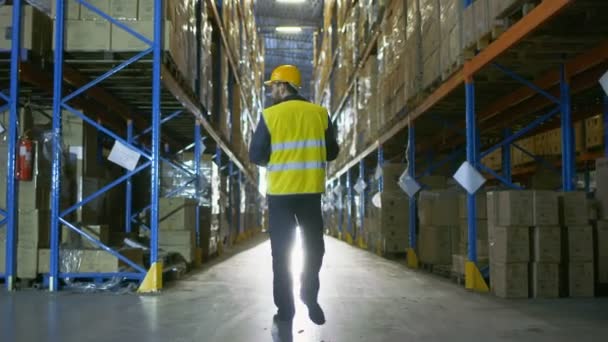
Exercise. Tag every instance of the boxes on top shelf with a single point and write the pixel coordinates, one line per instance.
(36, 29)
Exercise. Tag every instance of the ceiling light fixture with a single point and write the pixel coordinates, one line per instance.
(289, 29)
(291, 1)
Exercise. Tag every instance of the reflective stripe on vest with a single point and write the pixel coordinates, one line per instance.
(296, 166)
(293, 145)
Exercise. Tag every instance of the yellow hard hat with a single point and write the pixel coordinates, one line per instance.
(286, 73)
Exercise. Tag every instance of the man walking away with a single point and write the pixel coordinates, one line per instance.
(294, 140)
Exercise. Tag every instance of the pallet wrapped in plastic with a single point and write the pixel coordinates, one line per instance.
(431, 41)
(451, 17)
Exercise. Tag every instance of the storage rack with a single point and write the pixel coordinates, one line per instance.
(77, 74)
(561, 65)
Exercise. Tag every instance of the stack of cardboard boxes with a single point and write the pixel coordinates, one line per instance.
(577, 252)
(460, 242)
(388, 223)
(33, 216)
(601, 195)
(439, 232)
(177, 227)
(509, 222)
(545, 270)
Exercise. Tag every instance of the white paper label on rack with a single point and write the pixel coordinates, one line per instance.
(377, 200)
(360, 186)
(124, 156)
(469, 178)
(338, 190)
(2, 128)
(604, 82)
(409, 184)
(77, 150)
(378, 173)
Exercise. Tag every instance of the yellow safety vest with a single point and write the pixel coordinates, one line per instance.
(297, 161)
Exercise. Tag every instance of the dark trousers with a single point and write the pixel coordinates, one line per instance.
(285, 214)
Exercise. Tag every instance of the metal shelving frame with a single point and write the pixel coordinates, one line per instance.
(554, 87)
(8, 216)
(66, 99)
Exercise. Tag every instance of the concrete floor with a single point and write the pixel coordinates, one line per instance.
(366, 298)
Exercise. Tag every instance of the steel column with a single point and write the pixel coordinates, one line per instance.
(349, 194)
(361, 199)
(411, 170)
(56, 168)
(381, 164)
(197, 182)
(11, 199)
(506, 158)
(587, 178)
(472, 155)
(340, 208)
(156, 117)
(129, 185)
(568, 148)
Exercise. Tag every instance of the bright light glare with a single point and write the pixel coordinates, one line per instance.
(297, 258)
(289, 29)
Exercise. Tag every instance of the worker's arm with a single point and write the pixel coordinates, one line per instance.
(330, 142)
(259, 150)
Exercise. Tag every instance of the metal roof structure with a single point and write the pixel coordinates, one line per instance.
(284, 48)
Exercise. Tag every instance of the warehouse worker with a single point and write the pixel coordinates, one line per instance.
(294, 140)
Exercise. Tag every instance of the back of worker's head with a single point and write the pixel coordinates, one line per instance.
(284, 81)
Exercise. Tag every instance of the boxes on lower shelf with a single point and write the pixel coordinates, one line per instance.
(510, 208)
(547, 245)
(580, 279)
(89, 260)
(573, 208)
(580, 243)
(545, 280)
(509, 280)
(509, 244)
(435, 245)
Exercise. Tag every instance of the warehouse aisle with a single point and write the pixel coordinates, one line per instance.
(365, 297)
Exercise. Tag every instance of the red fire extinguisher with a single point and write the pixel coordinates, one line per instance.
(24, 159)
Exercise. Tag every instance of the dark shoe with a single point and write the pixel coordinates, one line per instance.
(316, 314)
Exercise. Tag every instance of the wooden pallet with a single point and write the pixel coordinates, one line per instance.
(440, 270)
(458, 278)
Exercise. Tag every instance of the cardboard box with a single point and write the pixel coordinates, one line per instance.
(35, 31)
(482, 230)
(438, 208)
(26, 262)
(602, 269)
(124, 10)
(580, 243)
(100, 232)
(176, 238)
(102, 5)
(602, 238)
(545, 280)
(509, 244)
(86, 35)
(481, 206)
(124, 41)
(510, 208)
(72, 9)
(509, 280)
(580, 279)
(435, 245)
(34, 227)
(458, 263)
(547, 244)
(601, 182)
(573, 208)
(545, 208)
(89, 260)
